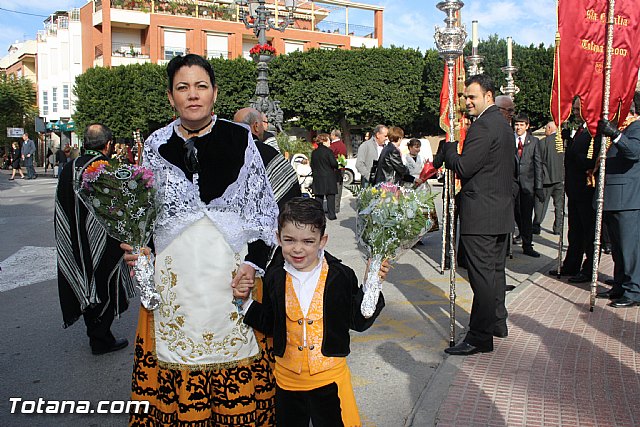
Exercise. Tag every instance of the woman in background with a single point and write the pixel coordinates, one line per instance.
(324, 167)
(15, 160)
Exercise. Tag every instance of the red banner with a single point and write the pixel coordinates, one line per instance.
(458, 91)
(580, 58)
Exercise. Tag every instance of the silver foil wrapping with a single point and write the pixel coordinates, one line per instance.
(144, 273)
(372, 287)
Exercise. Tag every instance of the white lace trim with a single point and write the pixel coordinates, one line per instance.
(246, 212)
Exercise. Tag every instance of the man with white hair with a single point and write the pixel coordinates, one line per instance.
(552, 180)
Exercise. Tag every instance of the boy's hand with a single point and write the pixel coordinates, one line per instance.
(384, 269)
(382, 273)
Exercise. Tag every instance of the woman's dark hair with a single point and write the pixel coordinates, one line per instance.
(414, 142)
(189, 60)
(302, 211)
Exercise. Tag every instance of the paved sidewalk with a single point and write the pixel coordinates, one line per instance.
(560, 366)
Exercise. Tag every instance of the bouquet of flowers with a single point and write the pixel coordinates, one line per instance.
(121, 197)
(262, 49)
(390, 220)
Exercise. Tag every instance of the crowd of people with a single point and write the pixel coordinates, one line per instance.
(253, 324)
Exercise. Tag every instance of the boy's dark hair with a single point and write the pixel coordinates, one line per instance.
(521, 118)
(189, 60)
(484, 81)
(303, 211)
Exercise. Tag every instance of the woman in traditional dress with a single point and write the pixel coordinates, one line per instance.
(195, 361)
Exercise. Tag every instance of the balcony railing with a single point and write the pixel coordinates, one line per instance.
(218, 54)
(341, 28)
(172, 51)
(225, 10)
(129, 50)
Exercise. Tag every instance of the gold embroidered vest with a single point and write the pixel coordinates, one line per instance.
(296, 354)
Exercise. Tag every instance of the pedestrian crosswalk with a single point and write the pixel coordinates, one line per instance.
(27, 266)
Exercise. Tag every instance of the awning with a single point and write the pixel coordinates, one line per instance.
(70, 126)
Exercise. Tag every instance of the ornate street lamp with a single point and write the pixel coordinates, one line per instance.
(450, 41)
(255, 15)
(511, 89)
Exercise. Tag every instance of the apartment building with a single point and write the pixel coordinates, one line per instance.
(117, 32)
(59, 61)
(20, 60)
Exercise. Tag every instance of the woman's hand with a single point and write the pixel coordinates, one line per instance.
(130, 257)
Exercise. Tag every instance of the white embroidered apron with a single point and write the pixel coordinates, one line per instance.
(197, 325)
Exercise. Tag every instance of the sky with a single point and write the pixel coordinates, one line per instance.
(408, 23)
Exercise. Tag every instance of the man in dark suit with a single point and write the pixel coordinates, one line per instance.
(622, 207)
(580, 213)
(529, 173)
(552, 165)
(93, 278)
(486, 169)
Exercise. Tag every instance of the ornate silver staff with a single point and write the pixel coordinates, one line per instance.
(450, 41)
(603, 154)
(511, 89)
(474, 60)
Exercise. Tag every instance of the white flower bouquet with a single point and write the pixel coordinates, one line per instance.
(121, 197)
(390, 220)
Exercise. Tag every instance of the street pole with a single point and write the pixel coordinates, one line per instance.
(255, 15)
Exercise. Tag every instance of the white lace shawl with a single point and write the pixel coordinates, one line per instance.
(246, 212)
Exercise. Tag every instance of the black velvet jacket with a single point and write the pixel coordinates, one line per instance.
(341, 307)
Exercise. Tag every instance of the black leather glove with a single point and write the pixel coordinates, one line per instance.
(449, 146)
(539, 194)
(607, 128)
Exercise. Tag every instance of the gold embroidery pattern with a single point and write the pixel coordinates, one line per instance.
(315, 330)
(170, 331)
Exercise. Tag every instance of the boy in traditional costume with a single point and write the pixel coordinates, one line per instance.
(310, 302)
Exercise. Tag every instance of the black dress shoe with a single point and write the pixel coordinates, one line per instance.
(579, 278)
(466, 349)
(610, 282)
(623, 302)
(535, 231)
(509, 288)
(500, 333)
(118, 344)
(554, 272)
(608, 294)
(517, 239)
(531, 252)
